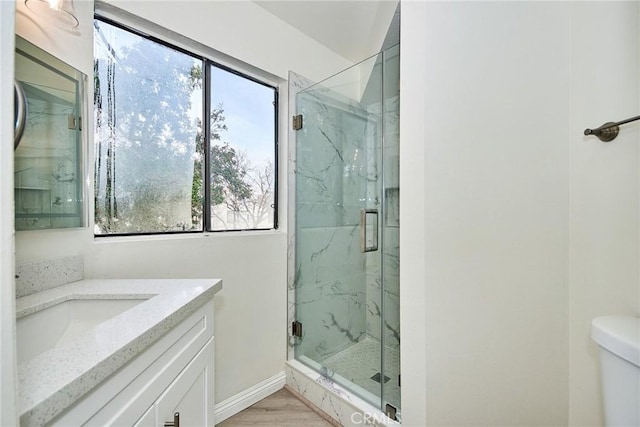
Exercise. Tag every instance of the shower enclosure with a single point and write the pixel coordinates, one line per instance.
(346, 279)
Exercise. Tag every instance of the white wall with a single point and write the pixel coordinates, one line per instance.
(497, 224)
(243, 30)
(8, 414)
(529, 228)
(251, 309)
(604, 188)
(413, 212)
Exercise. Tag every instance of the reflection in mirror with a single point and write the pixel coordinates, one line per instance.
(48, 174)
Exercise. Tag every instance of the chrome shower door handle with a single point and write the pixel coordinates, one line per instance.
(20, 112)
(364, 246)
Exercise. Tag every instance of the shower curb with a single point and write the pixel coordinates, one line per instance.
(336, 402)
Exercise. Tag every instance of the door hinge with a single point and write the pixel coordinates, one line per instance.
(399, 385)
(297, 122)
(296, 329)
(391, 411)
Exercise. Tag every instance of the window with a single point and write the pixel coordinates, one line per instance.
(159, 166)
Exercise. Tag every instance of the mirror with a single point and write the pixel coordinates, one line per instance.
(48, 157)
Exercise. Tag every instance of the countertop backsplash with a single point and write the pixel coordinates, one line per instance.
(42, 275)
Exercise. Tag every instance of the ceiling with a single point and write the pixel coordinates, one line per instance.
(354, 29)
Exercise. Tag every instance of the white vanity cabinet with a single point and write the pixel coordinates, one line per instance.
(175, 374)
(186, 398)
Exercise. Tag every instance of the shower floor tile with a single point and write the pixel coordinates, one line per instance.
(360, 364)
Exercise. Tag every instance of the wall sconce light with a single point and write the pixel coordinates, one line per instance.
(60, 12)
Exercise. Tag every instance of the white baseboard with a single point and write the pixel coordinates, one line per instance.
(248, 397)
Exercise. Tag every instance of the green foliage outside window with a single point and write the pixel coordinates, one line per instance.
(149, 164)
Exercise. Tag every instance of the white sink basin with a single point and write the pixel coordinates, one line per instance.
(61, 323)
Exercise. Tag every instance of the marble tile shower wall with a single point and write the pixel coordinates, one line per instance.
(391, 294)
(391, 223)
(374, 201)
(339, 303)
(385, 317)
(333, 297)
(385, 320)
(331, 165)
(332, 174)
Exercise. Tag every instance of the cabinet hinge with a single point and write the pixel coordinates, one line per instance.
(296, 329)
(297, 122)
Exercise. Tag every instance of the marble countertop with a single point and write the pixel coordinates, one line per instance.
(52, 381)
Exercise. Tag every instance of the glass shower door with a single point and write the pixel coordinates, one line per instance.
(389, 68)
(338, 223)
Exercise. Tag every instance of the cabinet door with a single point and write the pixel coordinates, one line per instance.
(148, 419)
(191, 394)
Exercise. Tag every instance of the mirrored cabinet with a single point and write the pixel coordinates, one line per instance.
(48, 157)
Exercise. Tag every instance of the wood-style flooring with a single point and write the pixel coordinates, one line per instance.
(277, 410)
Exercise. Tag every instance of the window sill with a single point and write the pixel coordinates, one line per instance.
(187, 236)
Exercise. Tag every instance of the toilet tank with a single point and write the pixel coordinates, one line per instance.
(619, 341)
